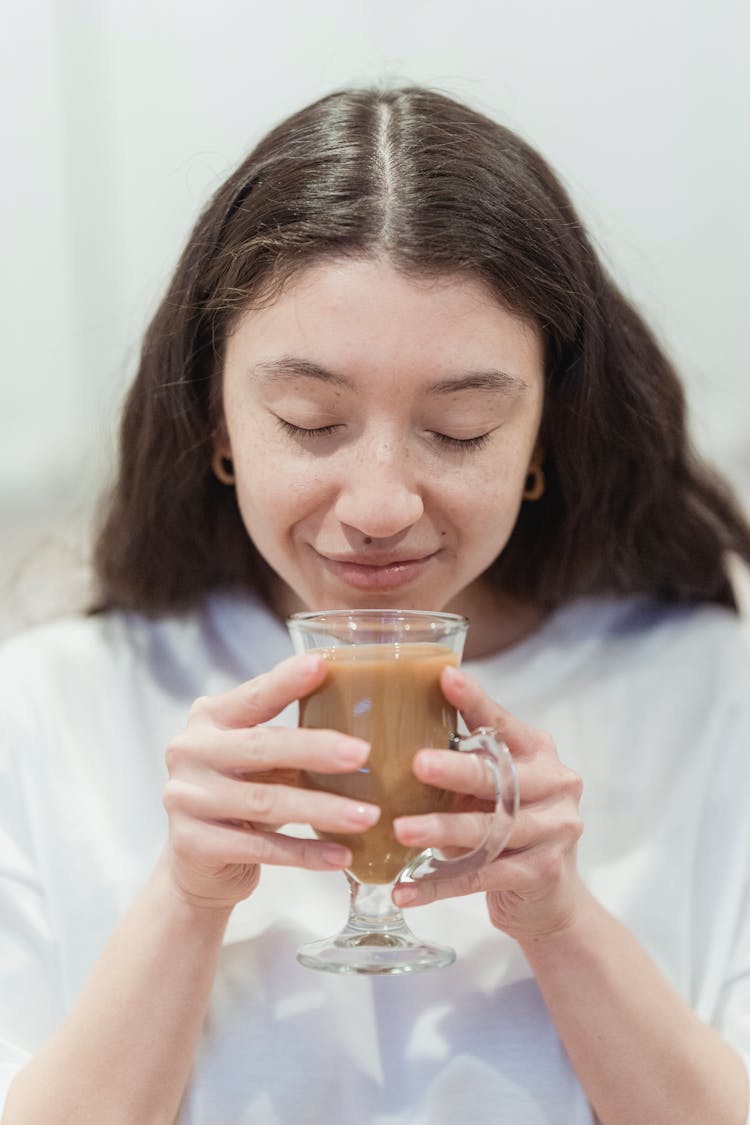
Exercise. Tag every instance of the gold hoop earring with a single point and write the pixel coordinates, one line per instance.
(535, 482)
(223, 468)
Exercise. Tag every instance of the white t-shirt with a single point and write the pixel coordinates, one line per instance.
(651, 705)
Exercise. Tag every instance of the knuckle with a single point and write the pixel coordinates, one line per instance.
(473, 881)
(569, 831)
(262, 848)
(259, 801)
(572, 783)
(576, 830)
(172, 797)
(550, 867)
(175, 753)
(545, 743)
(172, 756)
(184, 843)
(309, 855)
(200, 707)
(256, 748)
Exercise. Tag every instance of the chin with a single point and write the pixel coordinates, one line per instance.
(392, 599)
(328, 598)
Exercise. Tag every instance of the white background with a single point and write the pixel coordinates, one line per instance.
(120, 117)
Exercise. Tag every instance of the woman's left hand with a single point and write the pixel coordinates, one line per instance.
(533, 887)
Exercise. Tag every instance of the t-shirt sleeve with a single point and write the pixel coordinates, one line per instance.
(30, 985)
(730, 790)
(734, 1009)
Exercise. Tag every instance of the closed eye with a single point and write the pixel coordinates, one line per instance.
(461, 443)
(303, 432)
(306, 433)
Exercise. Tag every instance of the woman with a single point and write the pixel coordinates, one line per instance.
(389, 370)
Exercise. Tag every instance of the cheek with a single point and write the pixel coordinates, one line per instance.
(483, 511)
(488, 499)
(273, 495)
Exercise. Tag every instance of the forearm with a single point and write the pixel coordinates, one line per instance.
(639, 1051)
(123, 1056)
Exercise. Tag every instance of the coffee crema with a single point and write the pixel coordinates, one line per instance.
(389, 695)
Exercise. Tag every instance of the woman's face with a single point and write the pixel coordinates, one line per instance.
(381, 429)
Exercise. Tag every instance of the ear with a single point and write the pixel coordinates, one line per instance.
(537, 457)
(221, 444)
(535, 482)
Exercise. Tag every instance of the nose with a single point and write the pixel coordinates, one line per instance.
(379, 496)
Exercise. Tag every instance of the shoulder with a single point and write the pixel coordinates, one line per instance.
(635, 671)
(697, 640)
(644, 617)
(666, 683)
(222, 641)
(73, 645)
(621, 639)
(58, 646)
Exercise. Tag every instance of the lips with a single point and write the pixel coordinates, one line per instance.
(368, 572)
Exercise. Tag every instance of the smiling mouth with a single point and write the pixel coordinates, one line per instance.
(385, 574)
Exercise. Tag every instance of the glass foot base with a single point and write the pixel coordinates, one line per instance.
(353, 951)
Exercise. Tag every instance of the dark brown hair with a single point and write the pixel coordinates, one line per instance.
(438, 188)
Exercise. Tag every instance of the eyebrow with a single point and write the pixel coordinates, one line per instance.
(481, 381)
(490, 380)
(293, 366)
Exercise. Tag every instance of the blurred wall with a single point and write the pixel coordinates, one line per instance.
(119, 119)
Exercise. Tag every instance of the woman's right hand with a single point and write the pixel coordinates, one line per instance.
(233, 781)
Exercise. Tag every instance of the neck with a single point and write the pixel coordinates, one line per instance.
(498, 621)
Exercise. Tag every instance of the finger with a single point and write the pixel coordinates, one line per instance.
(541, 823)
(262, 749)
(262, 698)
(219, 844)
(268, 805)
(480, 710)
(507, 872)
(468, 829)
(470, 775)
(450, 769)
(443, 830)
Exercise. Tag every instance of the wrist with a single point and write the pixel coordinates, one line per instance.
(570, 931)
(202, 915)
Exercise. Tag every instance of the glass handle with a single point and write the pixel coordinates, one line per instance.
(485, 744)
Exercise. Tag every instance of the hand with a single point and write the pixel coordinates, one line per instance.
(533, 887)
(232, 781)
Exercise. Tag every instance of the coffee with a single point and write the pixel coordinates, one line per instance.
(388, 694)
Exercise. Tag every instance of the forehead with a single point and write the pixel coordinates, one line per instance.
(355, 315)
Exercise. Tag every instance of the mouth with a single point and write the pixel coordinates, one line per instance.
(376, 574)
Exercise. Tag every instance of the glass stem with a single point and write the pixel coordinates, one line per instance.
(371, 908)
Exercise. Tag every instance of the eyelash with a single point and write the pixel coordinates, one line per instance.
(301, 432)
(461, 443)
(456, 444)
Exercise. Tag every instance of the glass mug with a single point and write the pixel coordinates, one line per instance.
(382, 684)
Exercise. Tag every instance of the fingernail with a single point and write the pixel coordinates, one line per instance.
(405, 896)
(427, 763)
(352, 751)
(407, 832)
(454, 675)
(363, 816)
